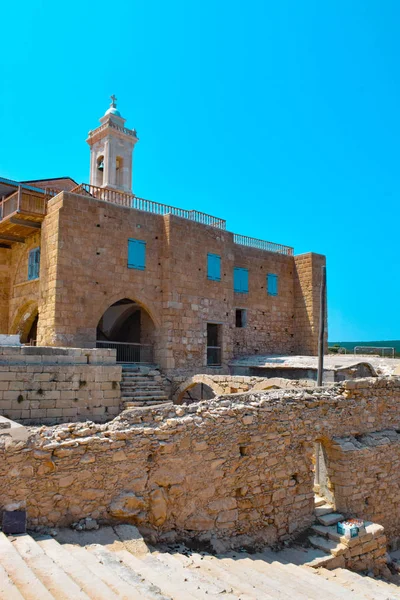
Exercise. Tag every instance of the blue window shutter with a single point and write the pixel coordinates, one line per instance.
(240, 280)
(136, 254)
(272, 284)
(245, 281)
(214, 267)
(34, 263)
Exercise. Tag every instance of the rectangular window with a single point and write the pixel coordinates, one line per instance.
(34, 264)
(240, 280)
(241, 317)
(272, 284)
(136, 254)
(214, 335)
(213, 267)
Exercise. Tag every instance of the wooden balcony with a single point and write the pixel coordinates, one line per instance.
(21, 214)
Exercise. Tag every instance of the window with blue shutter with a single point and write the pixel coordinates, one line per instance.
(240, 280)
(136, 254)
(34, 264)
(272, 284)
(214, 267)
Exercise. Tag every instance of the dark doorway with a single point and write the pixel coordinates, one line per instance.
(213, 344)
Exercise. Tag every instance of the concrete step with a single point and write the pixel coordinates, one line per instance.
(323, 509)
(327, 545)
(179, 565)
(8, 590)
(309, 576)
(53, 577)
(21, 575)
(271, 580)
(210, 566)
(367, 587)
(330, 518)
(110, 560)
(294, 579)
(108, 576)
(94, 587)
(175, 580)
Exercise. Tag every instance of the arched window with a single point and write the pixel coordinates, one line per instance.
(118, 171)
(100, 170)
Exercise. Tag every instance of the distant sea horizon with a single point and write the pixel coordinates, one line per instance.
(375, 343)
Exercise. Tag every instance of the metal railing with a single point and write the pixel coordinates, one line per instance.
(375, 350)
(130, 352)
(250, 242)
(22, 201)
(132, 201)
(213, 356)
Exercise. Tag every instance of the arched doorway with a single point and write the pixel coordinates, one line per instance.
(200, 391)
(25, 323)
(127, 327)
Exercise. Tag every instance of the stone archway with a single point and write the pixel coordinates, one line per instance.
(127, 327)
(272, 383)
(192, 382)
(25, 322)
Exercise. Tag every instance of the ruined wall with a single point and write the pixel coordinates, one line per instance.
(365, 476)
(53, 385)
(237, 468)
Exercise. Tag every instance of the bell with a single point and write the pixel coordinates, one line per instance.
(101, 166)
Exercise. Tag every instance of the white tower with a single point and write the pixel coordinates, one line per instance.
(111, 151)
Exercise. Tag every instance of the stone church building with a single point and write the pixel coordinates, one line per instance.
(86, 265)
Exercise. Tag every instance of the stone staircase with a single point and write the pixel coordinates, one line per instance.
(114, 563)
(141, 386)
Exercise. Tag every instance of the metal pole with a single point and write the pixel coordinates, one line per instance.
(322, 309)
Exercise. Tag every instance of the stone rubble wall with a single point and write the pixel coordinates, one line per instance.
(365, 475)
(54, 385)
(239, 468)
(231, 384)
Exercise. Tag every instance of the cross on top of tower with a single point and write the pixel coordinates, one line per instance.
(113, 101)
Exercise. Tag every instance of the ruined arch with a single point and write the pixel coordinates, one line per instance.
(272, 383)
(191, 382)
(24, 321)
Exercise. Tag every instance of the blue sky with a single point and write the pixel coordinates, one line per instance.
(282, 117)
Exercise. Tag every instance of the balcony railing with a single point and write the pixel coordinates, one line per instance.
(130, 352)
(250, 242)
(131, 201)
(23, 201)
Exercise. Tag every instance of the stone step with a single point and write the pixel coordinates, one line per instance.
(311, 557)
(176, 582)
(110, 559)
(108, 576)
(323, 509)
(300, 581)
(327, 545)
(8, 590)
(148, 396)
(210, 566)
(309, 576)
(21, 575)
(366, 587)
(319, 501)
(94, 587)
(53, 577)
(271, 580)
(330, 518)
(327, 531)
(145, 398)
(144, 403)
(179, 565)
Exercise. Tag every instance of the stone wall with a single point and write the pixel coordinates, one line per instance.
(53, 385)
(84, 270)
(238, 468)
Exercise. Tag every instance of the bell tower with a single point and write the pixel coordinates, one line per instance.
(111, 151)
